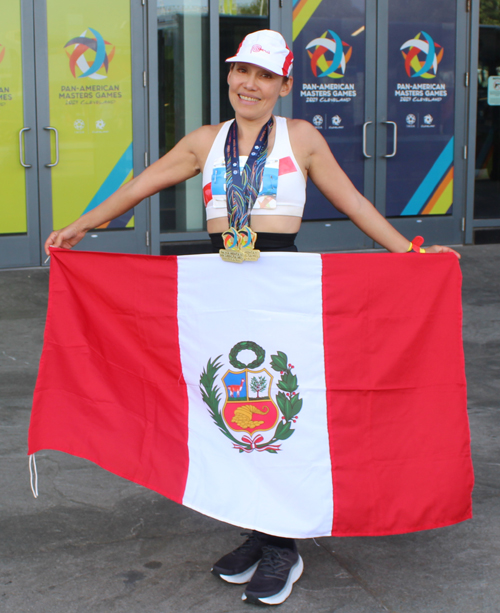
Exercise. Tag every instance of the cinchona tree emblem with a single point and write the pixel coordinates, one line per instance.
(250, 417)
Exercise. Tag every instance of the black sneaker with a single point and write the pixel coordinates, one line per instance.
(276, 573)
(239, 565)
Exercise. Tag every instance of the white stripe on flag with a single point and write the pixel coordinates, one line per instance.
(276, 303)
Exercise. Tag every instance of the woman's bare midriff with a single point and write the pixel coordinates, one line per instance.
(280, 224)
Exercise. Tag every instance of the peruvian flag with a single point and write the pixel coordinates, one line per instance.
(300, 395)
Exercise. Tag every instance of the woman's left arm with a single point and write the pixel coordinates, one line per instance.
(331, 180)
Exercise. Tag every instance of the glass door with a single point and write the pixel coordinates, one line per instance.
(379, 80)
(183, 52)
(86, 137)
(421, 118)
(334, 89)
(485, 222)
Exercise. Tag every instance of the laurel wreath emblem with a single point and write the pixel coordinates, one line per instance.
(287, 399)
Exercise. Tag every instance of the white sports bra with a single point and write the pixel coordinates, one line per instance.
(283, 189)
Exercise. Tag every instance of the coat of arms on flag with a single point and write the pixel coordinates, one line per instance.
(250, 417)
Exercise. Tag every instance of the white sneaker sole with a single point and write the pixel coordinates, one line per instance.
(295, 574)
(243, 577)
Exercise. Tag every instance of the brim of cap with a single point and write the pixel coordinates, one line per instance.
(247, 59)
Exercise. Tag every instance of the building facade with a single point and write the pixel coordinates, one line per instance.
(407, 97)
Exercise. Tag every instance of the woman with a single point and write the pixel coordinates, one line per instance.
(254, 173)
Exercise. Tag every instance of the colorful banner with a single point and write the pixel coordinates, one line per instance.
(13, 218)
(303, 10)
(421, 98)
(328, 91)
(329, 72)
(90, 89)
(336, 406)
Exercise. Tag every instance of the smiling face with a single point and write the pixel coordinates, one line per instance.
(253, 91)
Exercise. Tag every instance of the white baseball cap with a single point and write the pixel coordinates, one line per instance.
(265, 48)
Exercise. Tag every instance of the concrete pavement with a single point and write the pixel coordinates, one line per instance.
(93, 542)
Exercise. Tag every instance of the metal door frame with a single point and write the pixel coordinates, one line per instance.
(473, 40)
(19, 250)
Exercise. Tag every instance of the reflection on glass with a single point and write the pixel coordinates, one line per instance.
(184, 100)
(237, 19)
(487, 185)
(243, 7)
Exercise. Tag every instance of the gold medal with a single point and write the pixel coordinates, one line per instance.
(239, 246)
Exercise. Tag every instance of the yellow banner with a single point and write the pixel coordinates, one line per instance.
(303, 10)
(12, 174)
(90, 92)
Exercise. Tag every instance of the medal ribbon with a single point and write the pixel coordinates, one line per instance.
(242, 187)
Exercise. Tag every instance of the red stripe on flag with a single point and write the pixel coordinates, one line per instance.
(110, 371)
(397, 413)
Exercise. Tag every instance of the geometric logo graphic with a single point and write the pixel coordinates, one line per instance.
(318, 120)
(256, 414)
(423, 56)
(90, 56)
(100, 124)
(2, 52)
(79, 124)
(330, 55)
(336, 120)
(434, 195)
(428, 119)
(411, 119)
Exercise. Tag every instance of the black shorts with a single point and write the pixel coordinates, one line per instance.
(266, 241)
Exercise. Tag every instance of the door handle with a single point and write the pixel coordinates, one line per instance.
(394, 140)
(21, 148)
(365, 125)
(57, 146)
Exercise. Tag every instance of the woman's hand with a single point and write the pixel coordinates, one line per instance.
(441, 249)
(67, 237)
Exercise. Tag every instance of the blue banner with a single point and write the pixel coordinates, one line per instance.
(421, 99)
(328, 91)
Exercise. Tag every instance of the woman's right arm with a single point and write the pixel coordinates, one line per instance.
(181, 163)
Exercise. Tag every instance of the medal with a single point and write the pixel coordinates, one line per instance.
(242, 189)
(239, 246)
